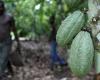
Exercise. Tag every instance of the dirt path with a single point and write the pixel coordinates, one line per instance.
(37, 65)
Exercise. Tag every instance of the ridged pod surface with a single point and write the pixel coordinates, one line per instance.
(81, 54)
(70, 27)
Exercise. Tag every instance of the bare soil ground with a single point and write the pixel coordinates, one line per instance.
(36, 57)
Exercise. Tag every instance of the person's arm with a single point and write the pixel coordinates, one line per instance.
(14, 30)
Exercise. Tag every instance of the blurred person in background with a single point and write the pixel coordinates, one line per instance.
(7, 25)
(55, 58)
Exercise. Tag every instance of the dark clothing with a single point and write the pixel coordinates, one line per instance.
(55, 58)
(6, 22)
(53, 34)
(54, 54)
(5, 26)
(5, 48)
(53, 28)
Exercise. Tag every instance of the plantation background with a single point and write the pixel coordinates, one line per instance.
(33, 21)
(33, 16)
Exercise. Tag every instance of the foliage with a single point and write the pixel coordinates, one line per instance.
(32, 16)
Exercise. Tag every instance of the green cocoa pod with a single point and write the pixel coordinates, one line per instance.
(81, 54)
(97, 62)
(70, 27)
